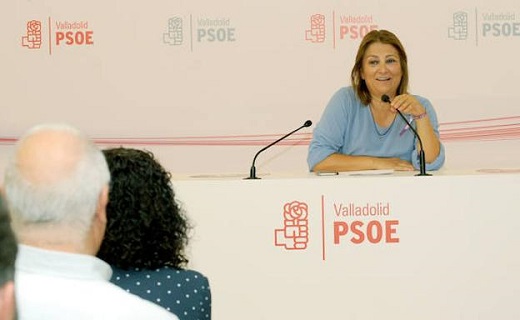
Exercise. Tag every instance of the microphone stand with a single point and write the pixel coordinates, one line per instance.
(252, 171)
(422, 159)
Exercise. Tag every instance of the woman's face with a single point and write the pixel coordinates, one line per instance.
(381, 70)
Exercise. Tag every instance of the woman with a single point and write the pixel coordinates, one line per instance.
(146, 236)
(359, 131)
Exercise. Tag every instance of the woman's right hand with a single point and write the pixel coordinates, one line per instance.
(395, 164)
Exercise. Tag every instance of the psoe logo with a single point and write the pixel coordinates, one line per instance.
(174, 36)
(355, 27)
(215, 30)
(341, 28)
(33, 35)
(295, 232)
(75, 33)
(459, 28)
(61, 34)
(316, 33)
(368, 224)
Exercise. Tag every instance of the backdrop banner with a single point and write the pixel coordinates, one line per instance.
(205, 85)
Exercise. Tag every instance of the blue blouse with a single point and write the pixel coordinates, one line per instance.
(347, 127)
(186, 293)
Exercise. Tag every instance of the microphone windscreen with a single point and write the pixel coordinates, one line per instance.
(307, 123)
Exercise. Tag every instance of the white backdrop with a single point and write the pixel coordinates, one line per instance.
(230, 77)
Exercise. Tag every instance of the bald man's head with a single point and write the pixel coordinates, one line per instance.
(55, 178)
(49, 156)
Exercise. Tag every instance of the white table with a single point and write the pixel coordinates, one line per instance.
(443, 247)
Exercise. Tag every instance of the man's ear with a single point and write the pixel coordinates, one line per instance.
(101, 212)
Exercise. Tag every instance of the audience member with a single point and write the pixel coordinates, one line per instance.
(56, 185)
(8, 249)
(147, 234)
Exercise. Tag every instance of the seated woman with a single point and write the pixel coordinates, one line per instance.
(146, 236)
(360, 130)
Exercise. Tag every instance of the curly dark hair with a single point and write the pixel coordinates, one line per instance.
(8, 245)
(146, 227)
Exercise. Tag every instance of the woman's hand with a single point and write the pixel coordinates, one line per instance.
(395, 164)
(343, 162)
(408, 104)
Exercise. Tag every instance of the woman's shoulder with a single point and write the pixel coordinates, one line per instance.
(345, 92)
(421, 98)
(344, 96)
(187, 273)
(162, 271)
(425, 102)
(344, 101)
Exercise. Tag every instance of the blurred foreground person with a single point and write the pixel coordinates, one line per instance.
(8, 249)
(146, 236)
(56, 185)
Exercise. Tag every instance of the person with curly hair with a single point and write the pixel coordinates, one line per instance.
(146, 235)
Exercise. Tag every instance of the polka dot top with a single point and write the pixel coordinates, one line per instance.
(186, 293)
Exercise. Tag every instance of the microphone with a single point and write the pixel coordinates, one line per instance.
(252, 172)
(422, 160)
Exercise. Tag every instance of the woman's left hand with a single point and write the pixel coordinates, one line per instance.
(407, 104)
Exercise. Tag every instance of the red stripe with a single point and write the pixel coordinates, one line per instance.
(503, 130)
